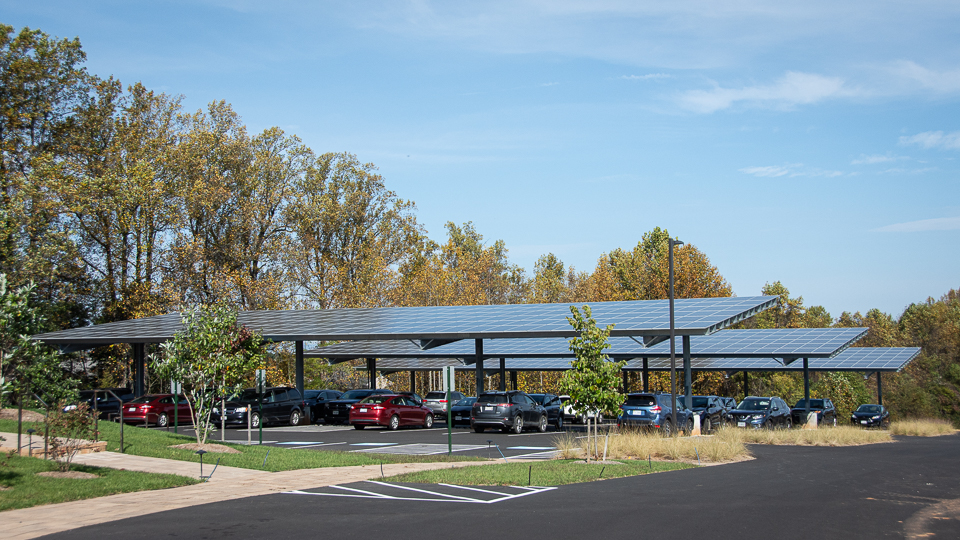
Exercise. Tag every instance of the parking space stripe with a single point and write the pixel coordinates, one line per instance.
(425, 491)
(437, 495)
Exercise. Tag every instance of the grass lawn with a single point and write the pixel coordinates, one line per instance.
(25, 489)
(154, 443)
(546, 473)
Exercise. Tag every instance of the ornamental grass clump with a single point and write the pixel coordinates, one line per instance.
(824, 436)
(635, 444)
(922, 427)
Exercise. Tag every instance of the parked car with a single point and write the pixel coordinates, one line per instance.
(729, 404)
(106, 405)
(510, 411)
(317, 400)
(412, 395)
(654, 411)
(281, 404)
(338, 410)
(554, 407)
(437, 401)
(573, 415)
(826, 412)
(712, 412)
(762, 412)
(460, 412)
(156, 409)
(871, 416)
(392, 411)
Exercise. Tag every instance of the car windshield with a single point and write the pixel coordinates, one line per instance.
(466, 402)
(143, 399)
(376, 399)
(356, 394)
(493, 398)
(310, 394)
(250, 394)
(639, 401)
(869, 408)
(814, 404)
(539, 398)
(700, 402)
(754, 405)
(436, 395)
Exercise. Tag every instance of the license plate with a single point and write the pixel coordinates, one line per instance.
(363, 410)
(489, 408)
(132, 409)
(741, 424)
(863, 421)
(336, 412)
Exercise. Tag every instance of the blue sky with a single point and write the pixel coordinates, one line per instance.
(815, 144)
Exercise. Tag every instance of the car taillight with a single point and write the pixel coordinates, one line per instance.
(145, 407)
(378, 408)
(655, 409)
(443, 401)
(502, 404)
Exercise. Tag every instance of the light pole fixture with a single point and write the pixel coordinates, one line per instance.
(673, 346)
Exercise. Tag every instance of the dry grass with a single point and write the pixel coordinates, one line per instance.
(922, 427)
(631, 444)
(825, 436)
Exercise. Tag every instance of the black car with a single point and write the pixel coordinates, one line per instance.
(338, 410)
(436, 401)
(317, 400)
(826, 412)
(281, 404)
(460, 412)
(654, 411)
(553, 406)
(106, 405)
(871, 416)
(762, 412)
(510, 411)
(712, 412)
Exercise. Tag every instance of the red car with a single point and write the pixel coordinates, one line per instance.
(156, 409)
(391, 411)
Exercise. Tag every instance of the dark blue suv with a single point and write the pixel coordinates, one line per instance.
(654, 411)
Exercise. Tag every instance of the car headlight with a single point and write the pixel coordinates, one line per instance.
(875, 417)
(69, 408)
(757, 417)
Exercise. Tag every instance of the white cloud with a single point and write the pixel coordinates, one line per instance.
(791, 170)
(939, 81)
(766, 172)
(934, 139)
(937, 224)
(647, 77)
(876, 158)
(550, 84)
(794, 88)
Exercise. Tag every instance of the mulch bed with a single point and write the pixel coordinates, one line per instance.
(209, 447)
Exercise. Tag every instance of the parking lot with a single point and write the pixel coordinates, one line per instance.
(490, 444)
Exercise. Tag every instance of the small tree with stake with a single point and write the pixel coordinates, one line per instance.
(211, 358)
(592, 383)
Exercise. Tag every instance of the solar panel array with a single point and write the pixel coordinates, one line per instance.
(865, 359)
(639, 318)
(779, 343)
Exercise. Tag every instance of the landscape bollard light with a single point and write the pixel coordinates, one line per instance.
(200, 453)
(489, 442)
(30, 433)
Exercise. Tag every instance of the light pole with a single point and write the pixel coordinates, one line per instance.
(673, 346)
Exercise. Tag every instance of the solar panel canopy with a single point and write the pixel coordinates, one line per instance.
(862, 359)
(693, 316)
(778, 343)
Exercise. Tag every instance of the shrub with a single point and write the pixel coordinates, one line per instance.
(69, 431)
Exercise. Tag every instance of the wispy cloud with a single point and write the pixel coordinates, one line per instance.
(549, 84)
(946, 81)
(937, 224)
(790, 170)
(876, 158)
(793, 89)
(934, 139)
(647, 77)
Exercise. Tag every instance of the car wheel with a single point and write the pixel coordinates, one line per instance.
(358, 426)
(394, 423)
(255, 420)
(560, 423)
(705, 428)
(582, 419)
(163, 420)
(666, 428)
(789, 424)
(295, 417)
(542, 426)
(689, 426)
(518, 424)
(479, 429)
(768, 424)
(428, 421)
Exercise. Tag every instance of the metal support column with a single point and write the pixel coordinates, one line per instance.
(299, 366)
(879, 388)
(513, 380)
(413, 381)
(806, 387)
(646, 375)
(687, 374)
(138, 370)
(478, 367)
(626, 381)
(503, 374)
(746, 384)
(372, 371)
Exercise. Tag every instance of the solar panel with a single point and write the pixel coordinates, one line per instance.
(693, 316)
(778, 343)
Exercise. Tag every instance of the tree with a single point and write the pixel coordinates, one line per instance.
(550, 283)
(210, 357)
(593, 381)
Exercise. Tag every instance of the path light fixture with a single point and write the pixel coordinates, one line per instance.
(673, 346)
(200, 453)
(30, 431)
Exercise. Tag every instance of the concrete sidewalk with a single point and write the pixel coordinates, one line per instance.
(228, 483)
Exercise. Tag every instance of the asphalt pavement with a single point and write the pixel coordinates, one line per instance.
(910, 488)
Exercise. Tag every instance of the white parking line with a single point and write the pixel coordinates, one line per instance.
(505, 495)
